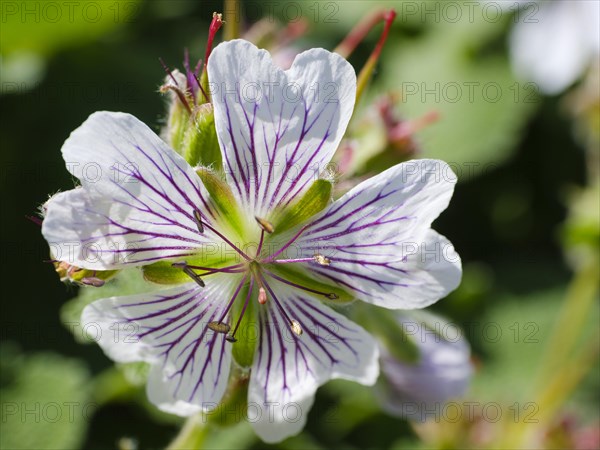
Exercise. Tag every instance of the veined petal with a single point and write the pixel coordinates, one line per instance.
(136, 201)
(190, 362)
(278, 129)
(288, 368)
(378, 240)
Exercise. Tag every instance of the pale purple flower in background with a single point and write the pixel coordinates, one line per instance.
(418, 390)
(555, 42)
(277, 131)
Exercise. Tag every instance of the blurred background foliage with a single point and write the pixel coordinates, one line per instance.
(524, 219)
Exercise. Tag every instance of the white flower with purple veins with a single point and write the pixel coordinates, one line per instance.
(256, 254)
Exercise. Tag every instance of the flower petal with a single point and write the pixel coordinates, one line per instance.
(288, 369)
(136, 201)
(278, 129)
(443, 371)
(378, 239)
(190, 362)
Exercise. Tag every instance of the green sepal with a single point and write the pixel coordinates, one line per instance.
(222, 197)
(247, 334)
(201, 146)
(178, 123)
(312, 202)
(234, 404)
(294, 275)
(382, 323)
(69, 273)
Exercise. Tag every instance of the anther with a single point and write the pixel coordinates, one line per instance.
(230, 338)
(262, 296)
(194, 276)
(296, 328)
(93, 281)
(322, 260)
(219, 327)
(265, 224)
(332, 296)
(198, 219)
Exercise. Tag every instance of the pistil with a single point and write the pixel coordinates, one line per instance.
(294, 325)
(329, 295)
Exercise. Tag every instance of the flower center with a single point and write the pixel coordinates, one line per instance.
(258, 272)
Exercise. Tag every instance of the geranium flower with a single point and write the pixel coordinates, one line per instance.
(261, 246)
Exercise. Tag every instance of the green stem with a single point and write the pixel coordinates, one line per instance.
(232, 13)
(367, 71)
(562, 367)
(571, 319)
(192, 435)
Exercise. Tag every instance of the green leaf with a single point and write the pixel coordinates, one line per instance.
(455, 69)
(41, 27)
(45, 401)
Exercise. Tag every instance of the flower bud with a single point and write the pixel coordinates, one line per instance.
(83, 277)
(442, 371)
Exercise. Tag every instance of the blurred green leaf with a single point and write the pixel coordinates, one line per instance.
(515, 334)
(40, 27)
(45, 401)
(449, 69)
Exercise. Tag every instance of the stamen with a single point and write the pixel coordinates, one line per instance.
(219, 327)
(329, 295)
(198, 219)
(180, 95)
(236, 268)
(284, 248)
(295, 260)
(260, 243)
(35, 220)
(200, 84)
(231, 337)
(296, 328)
(194, 276)
(322, 260)
(168, 71)
(93, 281)
(230, 304)
(262, 296)
(188, 73)
(265, 224)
